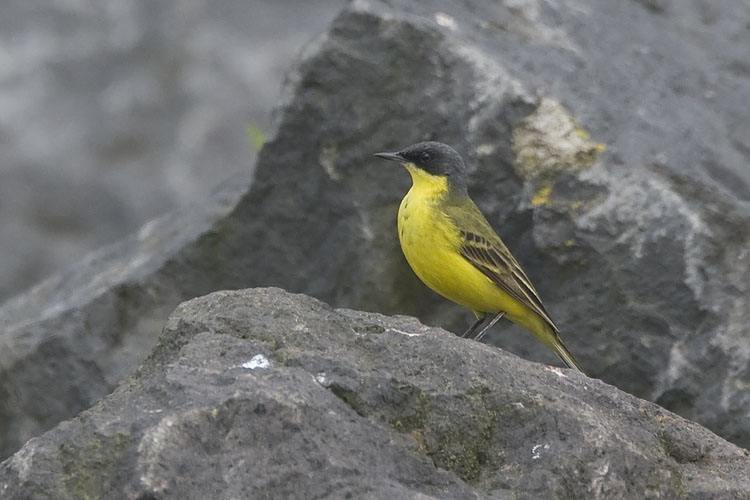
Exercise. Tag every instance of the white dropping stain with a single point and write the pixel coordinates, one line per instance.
(329, 153)
(557, 371)
(536, 451)
(257, 361)
(446, 21)
(150, 448)
(485, 149)
(599, 482)
(365, 227)
(322, 379)
(408, 334)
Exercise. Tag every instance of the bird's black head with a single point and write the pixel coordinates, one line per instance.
(435, 158)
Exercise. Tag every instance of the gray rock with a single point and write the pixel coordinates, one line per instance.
(264, 394)
(112, 114)
(638, 252)
(70, 340)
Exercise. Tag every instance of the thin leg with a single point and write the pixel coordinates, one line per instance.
(482, 333)
(474, 326)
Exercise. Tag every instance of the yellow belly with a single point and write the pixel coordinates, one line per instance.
(430, 241)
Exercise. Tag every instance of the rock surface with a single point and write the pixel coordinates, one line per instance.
(638, 251)
(264, 394)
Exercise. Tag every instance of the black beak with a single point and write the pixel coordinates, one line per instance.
(390, 156)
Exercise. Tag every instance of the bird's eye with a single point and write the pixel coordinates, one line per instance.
(424, 156)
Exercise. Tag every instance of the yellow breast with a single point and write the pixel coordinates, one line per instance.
(431, 241)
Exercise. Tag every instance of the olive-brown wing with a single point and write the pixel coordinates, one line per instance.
(481, 246)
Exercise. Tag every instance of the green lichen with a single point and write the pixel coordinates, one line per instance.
(256, 136)
(417, 416)
(88, 466)
(463, 449)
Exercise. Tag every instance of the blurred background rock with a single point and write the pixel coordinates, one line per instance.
(113, 112)
(641, 257)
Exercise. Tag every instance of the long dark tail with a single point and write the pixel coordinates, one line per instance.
(556, 344)
(567, 358)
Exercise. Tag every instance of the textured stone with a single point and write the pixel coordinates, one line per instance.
(264, 394)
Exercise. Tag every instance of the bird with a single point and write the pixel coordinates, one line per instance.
(453, 250)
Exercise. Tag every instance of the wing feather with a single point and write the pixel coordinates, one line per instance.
(481, 246)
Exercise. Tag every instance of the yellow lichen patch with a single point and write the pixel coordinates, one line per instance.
(577, 204)
(549, 141)
(419, 438)
(541, 197)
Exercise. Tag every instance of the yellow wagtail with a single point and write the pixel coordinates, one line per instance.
(453, 249)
